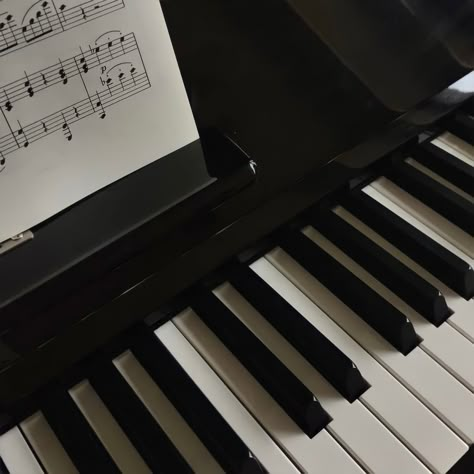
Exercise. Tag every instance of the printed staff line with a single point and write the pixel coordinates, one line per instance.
(48, 77)
(70, 15)
(51, 77)
(33, 138)
(18, 39)
(80, 21)
(20, 32)
(38, 136)
(37, 28)
(54, 122)
(77, 15)
(103, 96)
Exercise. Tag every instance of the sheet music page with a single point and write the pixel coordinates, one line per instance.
(90, 91)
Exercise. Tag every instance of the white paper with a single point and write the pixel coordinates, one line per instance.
(90, 91)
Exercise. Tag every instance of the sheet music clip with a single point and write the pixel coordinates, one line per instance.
(15, 242)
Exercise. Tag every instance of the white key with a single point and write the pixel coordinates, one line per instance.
(429, 438)
(378, 450)
(166, 415)
(47, 446)
(320, 454)
(462, 318)
(240, 420)
(100, 419)
(440, 179)
(455, 146)
(406, 216)
(422, 213)
(439, 390)
(16, 454)
(451, 349)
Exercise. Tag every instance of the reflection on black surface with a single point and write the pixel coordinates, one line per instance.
(310, 79)
(296, 84)
(451, 21)
(398, 49)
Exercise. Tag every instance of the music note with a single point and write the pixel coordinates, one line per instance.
(109, 83)
(61, 14)
(38, 25)
(28, 86)
(22, 134)
(121, 76)
(96, 50)
(62, 73)
(66, 130)
(109, 49)
(42, 16)
(84, 66)
(8, 103)
(43, 20)
(117, 83)
(7, 34)
(99, 105)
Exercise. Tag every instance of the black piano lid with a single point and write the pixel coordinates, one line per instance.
(313, 91)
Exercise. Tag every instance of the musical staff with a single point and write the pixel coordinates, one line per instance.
(45, 19)
(63, 71)
(62, 120)
(7, 35)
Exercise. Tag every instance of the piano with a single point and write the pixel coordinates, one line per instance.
(293, 293)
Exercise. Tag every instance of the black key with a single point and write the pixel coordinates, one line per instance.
(215, 433)
(76, 436)
(299, 403)
(462, 125)
(446, 165)
(465, 465)
(444, 265)
(321, 353)
(140, 427)
(436, 196)
(365, 302)
(404, 282)
(3, 467)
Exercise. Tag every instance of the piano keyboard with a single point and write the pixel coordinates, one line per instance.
(347, 348)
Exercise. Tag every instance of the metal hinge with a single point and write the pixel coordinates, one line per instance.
(15, 242)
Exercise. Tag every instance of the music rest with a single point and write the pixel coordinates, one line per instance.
(94, 236)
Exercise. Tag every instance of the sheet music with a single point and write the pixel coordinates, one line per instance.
(90, 91)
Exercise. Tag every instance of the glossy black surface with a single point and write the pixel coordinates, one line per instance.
(199, 413)
(3, 467)
(465, 465)
(446, 202)
(443, 164)
(76, 436)
(366, 303)
(322, 354)
(403, 281)
(314, 91)
(99, 220)
(442, 263)
(143, 431)
(285, 388)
